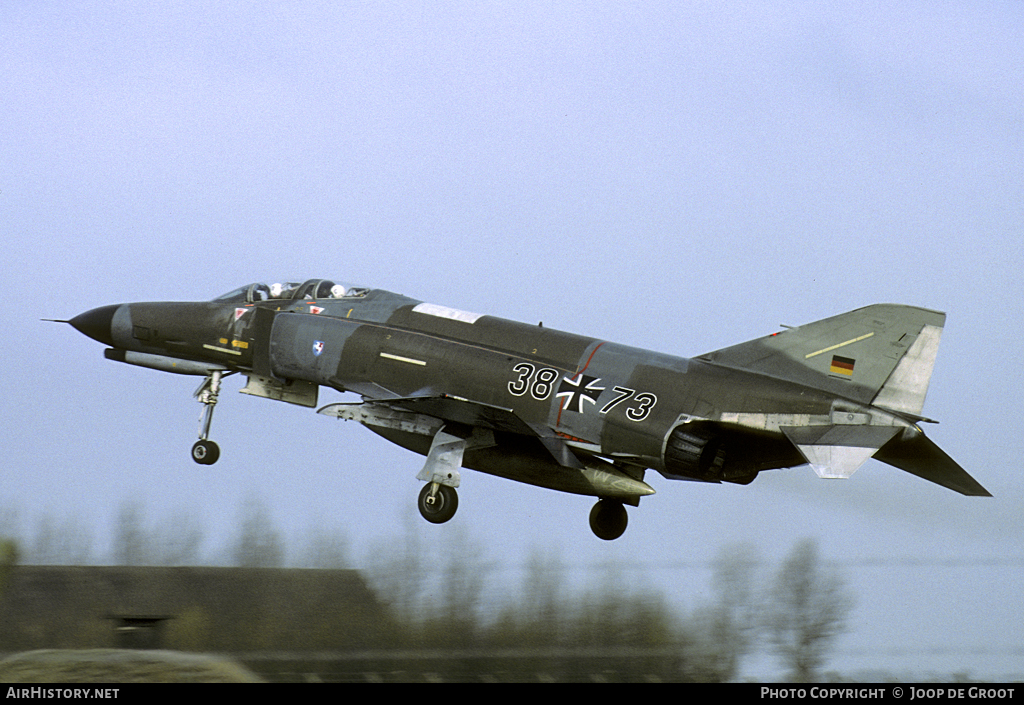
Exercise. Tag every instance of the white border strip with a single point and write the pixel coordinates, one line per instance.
(223, 350)
(836, 347)
(445, 312)
(389, 356)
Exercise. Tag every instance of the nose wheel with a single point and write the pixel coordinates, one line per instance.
(205, 452)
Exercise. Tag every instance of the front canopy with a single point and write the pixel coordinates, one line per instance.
(310, 289)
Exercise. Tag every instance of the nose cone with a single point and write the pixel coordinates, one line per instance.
(96, 323)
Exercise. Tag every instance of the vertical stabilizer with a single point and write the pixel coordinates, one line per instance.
(881, 354)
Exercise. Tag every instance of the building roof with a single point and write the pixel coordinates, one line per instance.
(204, 608)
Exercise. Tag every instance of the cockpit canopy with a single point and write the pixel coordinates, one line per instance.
(309, 289)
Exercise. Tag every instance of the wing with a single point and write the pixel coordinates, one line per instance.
(493, 439)
(426, 415)
(463, 411)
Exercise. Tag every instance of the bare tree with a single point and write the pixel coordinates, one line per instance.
(8, 559)
(176, 541)
(132, 545)
(807, 611)
(454, 609)
(617, 610)
(68, 542)
(733, 579)
(396, 568)
(435, 589)
(326, 547)
(10, 522)
(542, 607)
(465, 573)
(537, 615)
(9, 555)
(259, 544)
(723, 632)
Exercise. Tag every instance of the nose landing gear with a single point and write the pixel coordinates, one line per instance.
(205, 451)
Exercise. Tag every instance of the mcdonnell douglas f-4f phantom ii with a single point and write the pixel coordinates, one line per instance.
(554, 409)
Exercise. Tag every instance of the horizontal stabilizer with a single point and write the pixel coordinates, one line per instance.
(919, 456)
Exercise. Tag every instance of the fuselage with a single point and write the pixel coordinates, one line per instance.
(602, 398)
(555, 409)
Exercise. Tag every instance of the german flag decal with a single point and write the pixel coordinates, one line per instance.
(841, 366)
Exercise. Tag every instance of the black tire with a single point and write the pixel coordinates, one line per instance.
(608, 519)
(441, 507)
(205, 452)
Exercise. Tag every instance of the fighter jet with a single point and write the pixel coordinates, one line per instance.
(549, 408)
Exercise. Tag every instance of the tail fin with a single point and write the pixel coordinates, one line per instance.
(881, 354)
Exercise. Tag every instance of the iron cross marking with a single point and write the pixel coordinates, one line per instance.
(578, 389)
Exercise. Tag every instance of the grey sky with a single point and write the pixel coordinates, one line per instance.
(676, 176)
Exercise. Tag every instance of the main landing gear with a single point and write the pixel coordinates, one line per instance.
(437, 503)
(438, 499)
(205, 451)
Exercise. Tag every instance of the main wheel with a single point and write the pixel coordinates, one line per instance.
(608, 519)
(205, 452)
(441, 507)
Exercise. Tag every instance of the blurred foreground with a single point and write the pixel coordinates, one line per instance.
(334, 624)
(119, 666)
